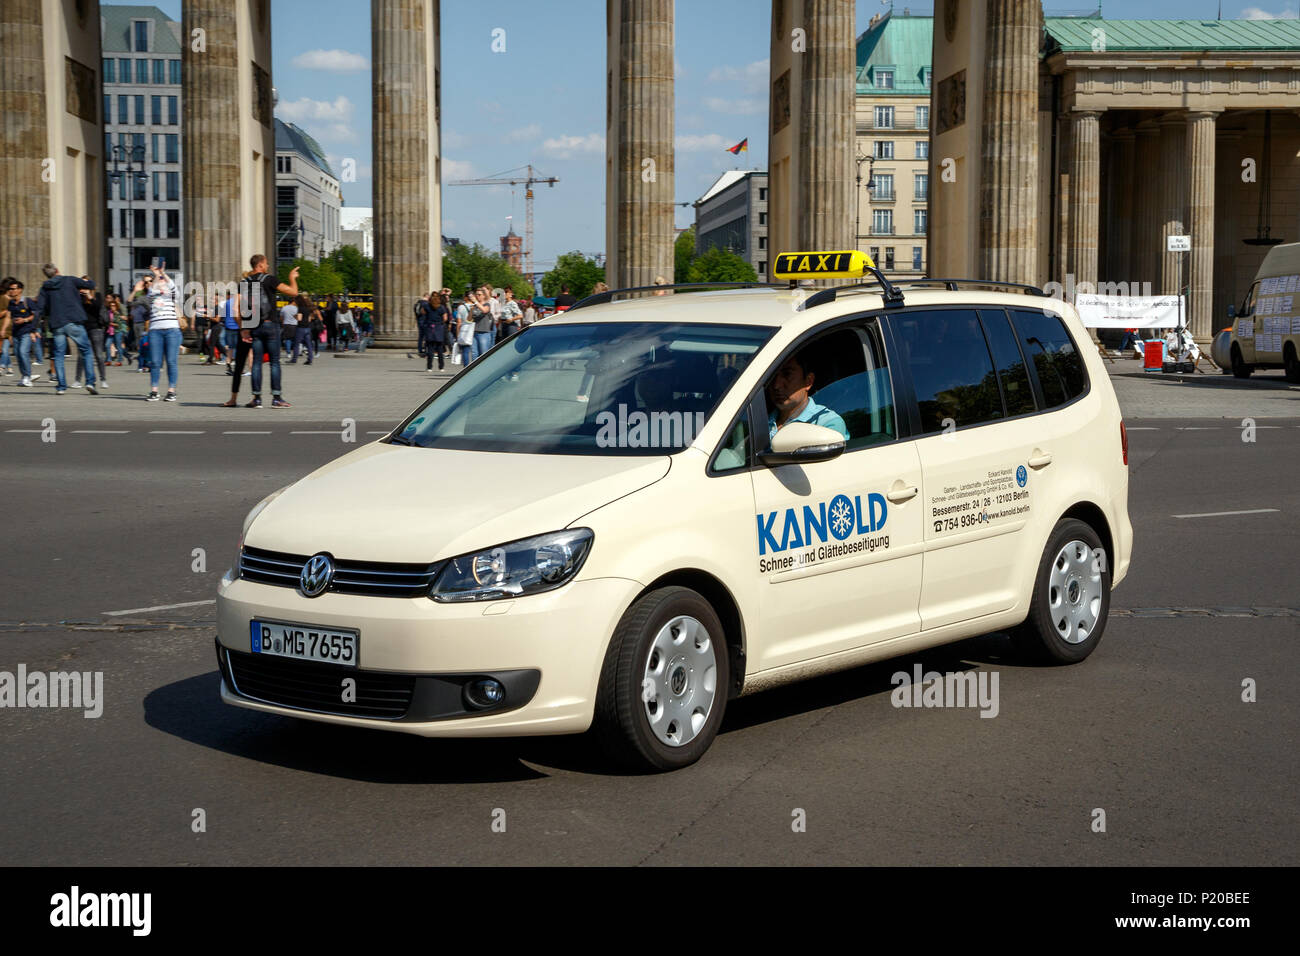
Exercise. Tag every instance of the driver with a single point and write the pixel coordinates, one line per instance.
(789, 395)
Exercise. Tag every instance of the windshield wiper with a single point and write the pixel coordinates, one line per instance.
(401, 440)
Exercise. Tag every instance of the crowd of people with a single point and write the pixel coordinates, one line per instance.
(243, 328)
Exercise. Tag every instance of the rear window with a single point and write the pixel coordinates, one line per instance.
(1017, 393)
(1046, 343)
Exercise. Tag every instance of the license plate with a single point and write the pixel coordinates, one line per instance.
(306, 643)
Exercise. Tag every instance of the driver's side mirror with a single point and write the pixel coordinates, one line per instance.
(802, 443)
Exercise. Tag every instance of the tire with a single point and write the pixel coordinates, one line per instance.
(1292, 365)
(673, 639)
(1061, 629)
(1239, 368)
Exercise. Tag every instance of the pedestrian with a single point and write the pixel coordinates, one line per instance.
(140, 321)
(6, 333)
(315, 333)
(117, 330)
(302, 333)
(331, 320)
(229, 330)
(530, 314)
(25, 327)
(202, 323)
(436, 337)
(289, 328)
(59, 303)
(346, 324)
(565, 300)
(422, 307)
(166, 328)
(480, 313)
(96, 325)
(511, 314)
(260, 331)
(463, 329)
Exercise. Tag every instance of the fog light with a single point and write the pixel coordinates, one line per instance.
(485, 692)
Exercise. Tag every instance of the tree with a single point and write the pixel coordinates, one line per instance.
(720, 265)
(470, 266)
(683, 253)
(313, 279)
(356, 271)
(575, 270)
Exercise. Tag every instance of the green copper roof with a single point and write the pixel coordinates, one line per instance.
(291, 137)
(899, 43)
(117, 19)
(1073, 35)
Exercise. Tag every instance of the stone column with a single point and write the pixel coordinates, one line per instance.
(1123, 181)
(1228, 177)
(1009, 157)
(639, 145)
(1146, 224)
(24, 195)
(403, 174)
(827, 127)
(211, 176)
(1171, 176)
(1200, 216)
(1085, 192)
(1064, 257)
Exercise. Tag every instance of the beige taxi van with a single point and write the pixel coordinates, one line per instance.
(667, 501)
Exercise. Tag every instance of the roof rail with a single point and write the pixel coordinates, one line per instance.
(600, 298)
(891, 293)
(954, 285)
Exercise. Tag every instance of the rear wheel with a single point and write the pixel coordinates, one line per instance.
(1239, 368)
(663, 686)
(1071, 598)
(1292, 365)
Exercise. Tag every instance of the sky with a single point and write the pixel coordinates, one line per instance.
(542, 99)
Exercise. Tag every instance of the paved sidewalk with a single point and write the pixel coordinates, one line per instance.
(377, 385)
(1202, 394)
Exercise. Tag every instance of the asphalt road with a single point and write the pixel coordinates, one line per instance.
(1151, 729)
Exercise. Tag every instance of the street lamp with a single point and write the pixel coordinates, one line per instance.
(871, 184)
(130, 157)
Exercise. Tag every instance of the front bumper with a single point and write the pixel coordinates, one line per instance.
(415, 656)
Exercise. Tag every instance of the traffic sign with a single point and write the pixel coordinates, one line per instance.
(1179, 244)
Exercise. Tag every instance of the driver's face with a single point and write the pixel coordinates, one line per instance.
(788, 388)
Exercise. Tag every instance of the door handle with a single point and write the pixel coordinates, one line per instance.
(1040, 460)
(898, 494)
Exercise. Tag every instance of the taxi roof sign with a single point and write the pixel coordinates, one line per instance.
(846, 264)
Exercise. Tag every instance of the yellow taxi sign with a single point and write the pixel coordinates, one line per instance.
(821, 265)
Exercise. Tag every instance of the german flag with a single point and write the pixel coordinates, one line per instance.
(741, 147)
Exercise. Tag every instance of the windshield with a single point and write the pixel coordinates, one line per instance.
(610, 388)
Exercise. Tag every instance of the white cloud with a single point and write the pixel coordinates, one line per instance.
(452, 139)
(306, 109)
(752, 76)
(456, 169)
(524, 133)
(1255, 13)
(563, 147)
(693, 142)
(738, 107)
(331, 61)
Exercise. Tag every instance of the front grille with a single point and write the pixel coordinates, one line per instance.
(350, 577)
(308, 685)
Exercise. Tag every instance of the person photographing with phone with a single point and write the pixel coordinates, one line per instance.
(164, 330)
(259, 332)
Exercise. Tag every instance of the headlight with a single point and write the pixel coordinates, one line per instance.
(256, 510)
(529, 566)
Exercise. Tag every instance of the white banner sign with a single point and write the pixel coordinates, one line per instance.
(1129, 312)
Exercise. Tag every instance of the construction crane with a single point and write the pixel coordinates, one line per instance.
(527, 180)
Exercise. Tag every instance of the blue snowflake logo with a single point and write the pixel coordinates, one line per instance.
(841, 517)
(1022, 476)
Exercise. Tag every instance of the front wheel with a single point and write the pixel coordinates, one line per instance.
(1071, 598)
(1239, 368)
(663, 686)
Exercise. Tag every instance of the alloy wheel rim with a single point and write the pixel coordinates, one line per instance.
(1074, 592)
(679, 682)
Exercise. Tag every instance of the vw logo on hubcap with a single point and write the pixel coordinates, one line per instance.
(317, 574)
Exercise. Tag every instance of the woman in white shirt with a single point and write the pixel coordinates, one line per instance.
(164, 331)
(347, 326)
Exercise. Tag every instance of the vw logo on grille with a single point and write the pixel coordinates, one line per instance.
(317, 574)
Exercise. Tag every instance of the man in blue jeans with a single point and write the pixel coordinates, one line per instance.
(260, 330)
(60, 302)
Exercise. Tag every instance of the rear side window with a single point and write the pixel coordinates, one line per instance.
(1017, 393)
(952, 371)
(1046, 343)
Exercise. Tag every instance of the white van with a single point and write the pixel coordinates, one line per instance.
(1266, 330)
(667, 501)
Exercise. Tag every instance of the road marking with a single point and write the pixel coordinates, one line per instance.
(93, 431)
(1224, 514)
(1142, 428)
(23, 431)
(316, 433)
(376, 433)
(245, 433)
(160, 607)
(176, 433)
(1197, 428)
